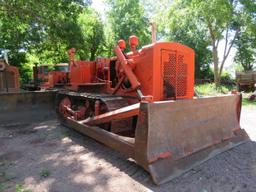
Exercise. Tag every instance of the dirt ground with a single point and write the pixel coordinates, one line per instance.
(48, 157)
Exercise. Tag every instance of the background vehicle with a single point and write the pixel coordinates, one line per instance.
(44, 78)
(246, 80)
(9, 75)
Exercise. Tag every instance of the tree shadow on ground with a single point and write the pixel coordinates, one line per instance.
(78, 163)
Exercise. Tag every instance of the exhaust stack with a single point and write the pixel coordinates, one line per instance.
(153, 29)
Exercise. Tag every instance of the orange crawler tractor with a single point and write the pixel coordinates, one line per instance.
(44, 79)
(56, 78)
(142, 104)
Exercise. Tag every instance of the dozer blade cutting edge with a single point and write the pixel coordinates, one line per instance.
(26, 107)
(172, 137)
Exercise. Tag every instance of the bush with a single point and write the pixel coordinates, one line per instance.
(207, 73)
(208, 77)
(226, 79)
(210, 89)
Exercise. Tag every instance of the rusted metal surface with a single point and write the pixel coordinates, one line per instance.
(26, 107)
(104, 115)
(118, 114)
(246, 80)
(172, 137)
(170, 130)
(9, 78)
(127, 69)
(122, 144)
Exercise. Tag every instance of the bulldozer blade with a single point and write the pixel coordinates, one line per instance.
(174, 136)
(171, 137)
(27, 107)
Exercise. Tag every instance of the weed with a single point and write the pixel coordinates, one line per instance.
(45, 173)
(247, 103)
(2, 187)
(21, 188)
(5, 163)
(7, 176)
(210, 89)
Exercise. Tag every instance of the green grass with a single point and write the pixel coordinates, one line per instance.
(6, 184)
(7, 176)
(210, 90)
(5, 163)
(249, 104)
(6, 179)
(21, 188)
(45, 173)
(2, 187)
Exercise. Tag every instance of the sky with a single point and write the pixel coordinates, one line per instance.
(100, 7)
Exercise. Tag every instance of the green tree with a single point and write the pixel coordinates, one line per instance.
(222, 19)
(92, 33)
(109, 41)
(24, 24)
(182, 27)
(246, 40)
(246, 51)
(45, 28)
(127, 18)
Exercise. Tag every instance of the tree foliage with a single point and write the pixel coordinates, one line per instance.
(42, 27)
(43, 31)
(92, 34)
(246, 40)
(207, 22)
(24, 24)
(246, 51)
(46, 29)
(184, 28)
(127, 18)
(219, 19)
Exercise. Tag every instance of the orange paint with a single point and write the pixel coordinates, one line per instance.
(163, 70)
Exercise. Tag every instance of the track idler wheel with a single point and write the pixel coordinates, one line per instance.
(67, 109)
(64, 106)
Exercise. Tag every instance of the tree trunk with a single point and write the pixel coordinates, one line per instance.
(215, 58)
(93, 52)
(216, 65)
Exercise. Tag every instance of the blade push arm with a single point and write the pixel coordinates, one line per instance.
(127, 69)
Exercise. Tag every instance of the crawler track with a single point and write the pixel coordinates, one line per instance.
(107, 103)
(113, 102)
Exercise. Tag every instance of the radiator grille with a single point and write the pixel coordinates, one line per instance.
(175, 72)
